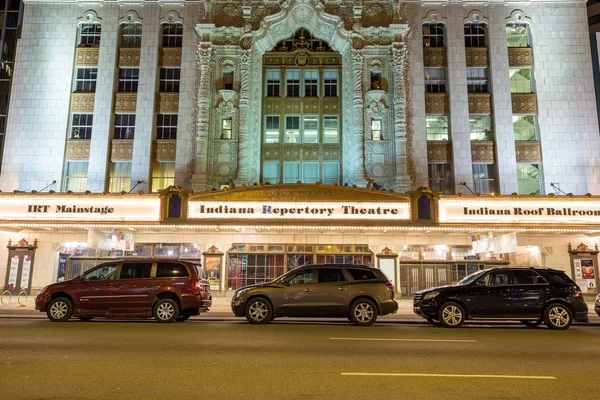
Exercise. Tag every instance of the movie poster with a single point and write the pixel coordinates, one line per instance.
(585, 274)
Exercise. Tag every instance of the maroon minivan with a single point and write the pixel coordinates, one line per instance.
(166, 289)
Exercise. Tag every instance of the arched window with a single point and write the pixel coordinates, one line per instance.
(131, 35)
(475, 34)
(518, 34)
(89, 34)
(172, 34)
(434, 34)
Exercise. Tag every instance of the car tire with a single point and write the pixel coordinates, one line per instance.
(60, 309)
(558, 316)
(532, 323)
(451, 315)
(258, 311)
(165, 311)
(183, 317)
(85, 319)
(433, 322)
(363, 312)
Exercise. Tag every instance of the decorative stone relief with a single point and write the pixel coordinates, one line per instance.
(78, 149)
(292, 106)
(524, 103)
(380, 166)
(129, 57)
(272, 151)
(436, 103)
(528, 151)
(439, 152)
(86, 56)
(82, 102)
(331, 105)
(273, 105)
(168, 102)
(125, 102)
(482, 152)
(434, 57)
(292, 152)
(520, 57)
(477, 56)
(332, 152)
(170, 57)
(121, 149)
(480, 103)
(224, 160)
(165, 150)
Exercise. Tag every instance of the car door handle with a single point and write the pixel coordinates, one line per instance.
(307, 290)
(342, 288)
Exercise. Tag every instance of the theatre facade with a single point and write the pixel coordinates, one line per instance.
(253, 234)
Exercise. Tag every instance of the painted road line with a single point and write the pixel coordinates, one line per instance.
(409, 340)
(448, 375)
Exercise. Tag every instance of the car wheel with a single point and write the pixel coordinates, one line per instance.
(60, 309)
(183, 317)
(433, 321)
(451, 315)
(85, 319)
(557, 316)
(363, 312)
(531, 324)
(259, 311)
(166, 310)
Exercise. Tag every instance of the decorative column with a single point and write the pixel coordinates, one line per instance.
(244, 162)
(357, 162)
(206, 59)
(399, 62)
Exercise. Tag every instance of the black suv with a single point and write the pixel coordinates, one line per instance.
(529, 295)
(357, 292)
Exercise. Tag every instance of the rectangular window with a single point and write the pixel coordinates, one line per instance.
(524, 127)
(271, 172)
(291, 172)
(172, 34)
(521, 80)
(128, 79)
(76, 176)
(89, 34)
(437, 127)
(292, 129)
(272, 129)
(273, 83)
(131, 35)
(124, 126)
(330, 79)
(163, 175)
(331, 129)
(375, 80)
(120, 177)
(311, 83)
(376, 127)
(228, 80)
(310, 172)
(85, 79)
(292, 83)
(475, 34)
(81, 126)
(480, 127)
(483, 178)
(166, 126)
(440, 178)
(433, 34)
(477, 81)
(169, 80)
(435, 80)
(226, 128)
(137, 270)
(331, 172)
(310, 129)
(517, 35)
(529, 178)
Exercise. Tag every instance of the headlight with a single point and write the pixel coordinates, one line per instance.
(431, 295)
(239, 294)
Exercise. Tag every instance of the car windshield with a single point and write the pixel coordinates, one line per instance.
(470, 278)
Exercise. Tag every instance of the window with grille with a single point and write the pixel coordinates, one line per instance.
(529, 178)
(521, 80)
(172, 34)
(440, 178)
(483, 178)
(169, 80)
(85, 79)
(76, 176)
(131, 35)
(271, 172)
(330, 79)
(166, 126)
(120, 177)
(81, 126)
(124, 126)
(433, 34)
(128, 79)
(228, 80)
(331, 173)
(89, 34)
(292, 83)
(273, 83)
(272, 129)
(524, 127)
(480, 127)
(475, 34)
(310, 129)
(163, 175)
(437, 127)
(292, 129)
(331, 129)
(518, 35)
(435, 80)
(376, 129)
(226, 128)
(477, 81)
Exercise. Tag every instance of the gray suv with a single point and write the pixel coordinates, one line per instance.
(357, 292)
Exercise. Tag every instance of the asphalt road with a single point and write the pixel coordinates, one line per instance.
(201, 359)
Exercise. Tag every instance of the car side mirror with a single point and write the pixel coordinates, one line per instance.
(285, 283)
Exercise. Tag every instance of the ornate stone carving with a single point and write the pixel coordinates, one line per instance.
(78, 149)
(528, 151)
(272, 151)
(332, 152)
(292, 152)
(310, 152)
(434, 57)
(168, 102)
(170, 57)
(292, 105)
(520, 57)
(439, 152)
(480, 103)
(121, 149)
(82, 102)
(330, 105)
(243, 169)
(129, 57)
(125, 102)
(86, 56)
(436, 103)
(477, 56)
(273, 105)
(165, 150)
(524, 103)
(357, 140)
(482, 152)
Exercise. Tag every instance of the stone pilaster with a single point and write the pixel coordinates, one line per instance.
(357, 164)
(402, 180)
(244, 141)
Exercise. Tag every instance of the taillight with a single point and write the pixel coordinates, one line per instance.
(389, 285)
(578, 293)
(197, 285)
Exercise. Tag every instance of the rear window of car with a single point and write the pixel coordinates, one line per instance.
(135, 270)
(362, 274)
(527, 277)
(170, 270)
(559, 276)
(199, 271)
